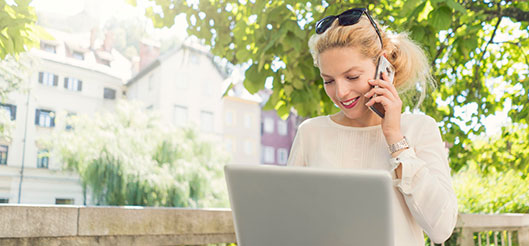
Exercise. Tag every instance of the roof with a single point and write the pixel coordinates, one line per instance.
(154, 64)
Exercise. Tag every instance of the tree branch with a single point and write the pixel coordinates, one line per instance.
(490, 41)
(443, 45)
(511, 12)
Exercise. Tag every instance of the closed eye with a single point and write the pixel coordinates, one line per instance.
(352, 78)
(327, 82)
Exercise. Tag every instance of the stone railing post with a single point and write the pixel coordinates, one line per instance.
(523, 236)
(466, 237)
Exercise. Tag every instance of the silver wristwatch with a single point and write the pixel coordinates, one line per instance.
(402, 144)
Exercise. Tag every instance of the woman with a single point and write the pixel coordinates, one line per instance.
(346, 49)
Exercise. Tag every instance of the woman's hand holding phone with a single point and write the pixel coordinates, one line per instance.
(388, 97)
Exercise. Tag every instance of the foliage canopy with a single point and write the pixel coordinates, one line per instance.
(477, 51)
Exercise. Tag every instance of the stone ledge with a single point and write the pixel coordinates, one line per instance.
(198, 239)
(79, 225)
(152, 221)
(38, 221)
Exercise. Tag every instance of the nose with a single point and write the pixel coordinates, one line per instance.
(342, 89)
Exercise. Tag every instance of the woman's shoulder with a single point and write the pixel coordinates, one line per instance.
(417, 119)
(314, 123)
(413, 124)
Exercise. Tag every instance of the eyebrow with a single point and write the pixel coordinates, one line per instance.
(348, 70)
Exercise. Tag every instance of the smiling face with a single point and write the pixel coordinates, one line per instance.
(345, 72)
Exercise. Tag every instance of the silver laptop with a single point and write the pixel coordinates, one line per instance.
(291, 206)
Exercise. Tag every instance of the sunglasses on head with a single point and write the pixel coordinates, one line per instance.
(347, 18)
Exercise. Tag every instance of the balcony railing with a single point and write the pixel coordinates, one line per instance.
(78, 225)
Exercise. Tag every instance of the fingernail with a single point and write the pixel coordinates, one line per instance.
(366, 94)
(371, 80)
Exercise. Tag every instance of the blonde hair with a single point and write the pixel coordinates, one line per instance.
(412, 69)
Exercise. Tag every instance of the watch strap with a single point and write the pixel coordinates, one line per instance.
(402, 144)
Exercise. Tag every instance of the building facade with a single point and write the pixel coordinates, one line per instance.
(277, 136)
(71, 75)
(186, 86)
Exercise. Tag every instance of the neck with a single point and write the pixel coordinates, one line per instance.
(371, 120)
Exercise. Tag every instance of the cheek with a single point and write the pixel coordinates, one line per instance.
(329, 90)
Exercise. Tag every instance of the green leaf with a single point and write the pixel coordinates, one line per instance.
(417, 33)
(410, 6)
(456, 6)
(254, 81)
(441, 18)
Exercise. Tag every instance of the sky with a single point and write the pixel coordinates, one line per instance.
(72, 7)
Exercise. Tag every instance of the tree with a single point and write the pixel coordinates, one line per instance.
(130, 157)
(477, 50)
(18, 30)
(18, 33)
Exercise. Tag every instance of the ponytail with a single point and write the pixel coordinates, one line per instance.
(412, 69)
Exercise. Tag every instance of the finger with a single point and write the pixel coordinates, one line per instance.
(384, 84)
(383, 100)
(380, 92)
(390, 86)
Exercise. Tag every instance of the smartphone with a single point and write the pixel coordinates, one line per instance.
(383, 65)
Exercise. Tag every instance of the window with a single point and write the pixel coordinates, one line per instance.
(228, 144)
(150, 81)
(180, 83)
(109, 93)
(48, 47)
(43, 159)
(269, 125)
(248, 147)
(69, 118)
(3, 154)
(78, 55)
(4, 200)
(247, 121)
(105, 62)
(268, 154)
(208, 87)
(48, 79)
(10, 109)
(194, 58)
(180, 115)
(44, 118)
(64, 201)
(228, 119)
(73, 84)
(282, 127)
(282, 156)
(206, 121)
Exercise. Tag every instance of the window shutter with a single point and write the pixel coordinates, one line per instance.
(53, 120)
(66, 82)
(41, 75)
(80, 85)
(55, 80)
(13, 112)
(37, 114)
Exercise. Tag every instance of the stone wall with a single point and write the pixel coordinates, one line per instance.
(78, 225)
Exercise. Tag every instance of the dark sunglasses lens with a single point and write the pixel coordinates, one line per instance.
(350, 17)
(324, 24)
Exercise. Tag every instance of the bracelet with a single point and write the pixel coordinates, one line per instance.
(402, 144)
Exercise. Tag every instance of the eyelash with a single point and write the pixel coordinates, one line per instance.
(349, 78)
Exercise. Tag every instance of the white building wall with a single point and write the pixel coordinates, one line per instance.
(44, 185)
(187, 78)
